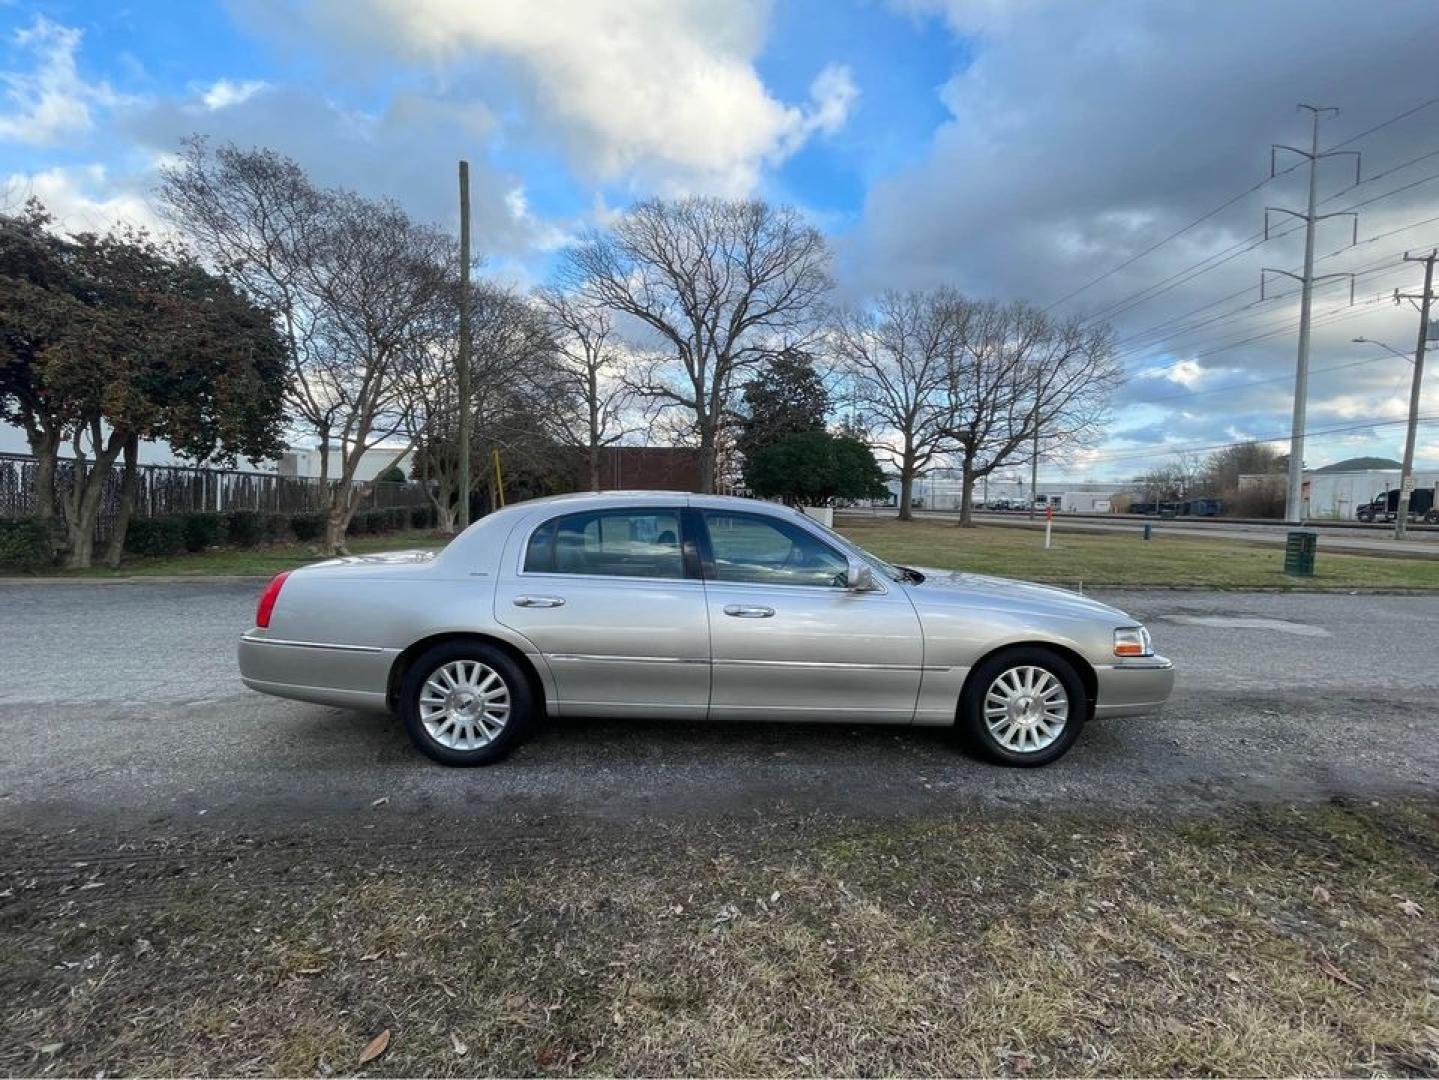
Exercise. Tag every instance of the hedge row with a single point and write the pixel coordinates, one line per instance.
(26, 544)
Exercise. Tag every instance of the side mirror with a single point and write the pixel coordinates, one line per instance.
(859, 577)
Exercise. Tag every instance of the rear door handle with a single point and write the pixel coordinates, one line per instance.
(748, 611)
(539, 601)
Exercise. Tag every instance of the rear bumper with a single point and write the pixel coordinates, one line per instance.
(1133, 687)
(347, 676)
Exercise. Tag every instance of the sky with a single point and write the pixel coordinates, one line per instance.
(1045, 150)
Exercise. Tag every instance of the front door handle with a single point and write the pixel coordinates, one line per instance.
(539, 601)
(748, 611)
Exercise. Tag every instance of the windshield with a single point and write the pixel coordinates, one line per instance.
(889, 570)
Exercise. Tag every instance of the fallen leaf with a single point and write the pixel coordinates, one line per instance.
(460, 1048)
(51, 1048)
(1337, 975)
(774, 897)
(1321, 894)
(369, 958)
(1410, 908)
(376, 1047)
(381, 801)
(547, 1056)
(310, 971)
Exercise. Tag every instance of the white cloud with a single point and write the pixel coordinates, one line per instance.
(51, 100)
(224, 93)
(660, 91)
(83, 198)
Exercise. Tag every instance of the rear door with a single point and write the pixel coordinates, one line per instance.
(789, 641)
(613, 599)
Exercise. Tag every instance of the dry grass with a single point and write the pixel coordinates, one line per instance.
(1289, 940)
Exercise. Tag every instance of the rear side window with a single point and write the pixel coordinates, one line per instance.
(611, 543)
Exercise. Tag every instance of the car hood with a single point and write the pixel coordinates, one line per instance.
(958, 586)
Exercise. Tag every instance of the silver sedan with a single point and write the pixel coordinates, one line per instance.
(691, 607)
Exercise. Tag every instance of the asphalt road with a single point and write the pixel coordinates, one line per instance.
(120, 702)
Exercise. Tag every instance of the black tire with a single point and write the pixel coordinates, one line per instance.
(521, 702)
(971, 720)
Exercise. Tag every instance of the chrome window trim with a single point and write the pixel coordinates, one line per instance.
(550, 575)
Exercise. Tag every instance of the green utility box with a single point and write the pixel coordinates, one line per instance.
(1299, 553)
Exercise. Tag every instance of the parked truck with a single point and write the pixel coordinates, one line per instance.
(1385, 506)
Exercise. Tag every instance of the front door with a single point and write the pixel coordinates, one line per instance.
(617, 608)
(789, 641)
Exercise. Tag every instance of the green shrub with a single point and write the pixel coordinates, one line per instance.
(26, 544)
(274, 528)
(392, 475)
(244, 528)
(307, 527)
(155, 536)
(359, 523)
(423, 517)
(399, 517)
(203, 530)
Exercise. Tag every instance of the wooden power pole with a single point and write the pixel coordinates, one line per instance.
(1422, 301)
(464, 373)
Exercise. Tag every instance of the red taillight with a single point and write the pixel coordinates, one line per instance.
(268, 598)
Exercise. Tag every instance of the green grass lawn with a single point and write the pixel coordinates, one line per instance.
(1099, 559)
(1090, 559)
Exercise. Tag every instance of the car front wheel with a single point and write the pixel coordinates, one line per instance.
(1023, 707)
(465, 703)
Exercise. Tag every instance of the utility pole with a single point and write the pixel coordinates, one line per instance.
(1294, 508)
(464, 372)
(1406, 474)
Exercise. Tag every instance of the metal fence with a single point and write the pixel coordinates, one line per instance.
(176, 489)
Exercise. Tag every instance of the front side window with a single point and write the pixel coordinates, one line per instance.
(612, 543)
(756, 550)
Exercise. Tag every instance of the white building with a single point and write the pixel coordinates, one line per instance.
(305, 461)
(942, 489)
(1335, 495)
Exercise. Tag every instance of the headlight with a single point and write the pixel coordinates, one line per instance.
(1132, 641)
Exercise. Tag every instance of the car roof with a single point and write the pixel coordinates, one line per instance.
(582, 499)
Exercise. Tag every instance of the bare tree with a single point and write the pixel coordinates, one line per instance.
(1022, 383)
(718, 284)
(512, 384)
(896, 360)
(352, 281)
(588, 374)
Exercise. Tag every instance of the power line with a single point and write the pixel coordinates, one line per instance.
(1162, 448)
(1231, 387)
(1231, 201)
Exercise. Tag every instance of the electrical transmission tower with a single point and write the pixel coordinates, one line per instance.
(1294, 509)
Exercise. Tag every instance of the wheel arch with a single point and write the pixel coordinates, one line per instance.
(1082, 667)
(409, 654)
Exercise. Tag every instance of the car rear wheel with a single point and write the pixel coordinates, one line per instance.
(465, 703)
(1023, 707)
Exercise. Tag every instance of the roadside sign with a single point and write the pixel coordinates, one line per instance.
(1407, 486)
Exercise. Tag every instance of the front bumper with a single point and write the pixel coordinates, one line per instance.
(1133, 687)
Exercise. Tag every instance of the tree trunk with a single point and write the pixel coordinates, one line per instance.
(45, 446)
(906, 488)
(594, 466)
(966, 497)
(337, 520)
(116, 549)
(82, 509)
(709, 450)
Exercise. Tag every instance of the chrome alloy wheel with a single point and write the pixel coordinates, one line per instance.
(1026, 709)
(464, 705)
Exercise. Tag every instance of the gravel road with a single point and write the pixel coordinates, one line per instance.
(121, 702)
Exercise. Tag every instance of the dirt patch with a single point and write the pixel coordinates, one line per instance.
(1278, 940)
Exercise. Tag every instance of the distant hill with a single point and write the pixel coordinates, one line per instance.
(1360, 464)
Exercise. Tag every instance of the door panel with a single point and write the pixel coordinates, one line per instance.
(603, 598)
(813, 651)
